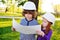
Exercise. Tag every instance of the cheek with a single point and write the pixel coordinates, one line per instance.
(44, 24)
(30, 15)
(26, 15)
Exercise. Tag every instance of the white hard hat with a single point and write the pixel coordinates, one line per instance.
(50, 17)
(29, 6)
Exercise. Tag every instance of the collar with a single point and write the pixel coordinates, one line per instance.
(27, 20)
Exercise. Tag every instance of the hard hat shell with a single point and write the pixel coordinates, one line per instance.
(50, 17)
(29, 6)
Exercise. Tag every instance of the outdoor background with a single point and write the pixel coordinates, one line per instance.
(13, 8)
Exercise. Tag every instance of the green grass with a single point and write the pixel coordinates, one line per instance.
(10, 36)
(56, 31)
(5, 30)
(7, 34)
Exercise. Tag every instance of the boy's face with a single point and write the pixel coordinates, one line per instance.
(28, 16)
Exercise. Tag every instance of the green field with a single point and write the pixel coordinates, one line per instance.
(7, 34)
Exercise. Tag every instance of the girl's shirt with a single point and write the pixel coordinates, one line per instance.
(46, 36)
(25, 22)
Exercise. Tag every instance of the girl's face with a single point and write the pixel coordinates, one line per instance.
(28, 16)
(44, 23)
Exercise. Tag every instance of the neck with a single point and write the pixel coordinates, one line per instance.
(28, 19)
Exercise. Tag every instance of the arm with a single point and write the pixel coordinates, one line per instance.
(48, 36)
(45, 36)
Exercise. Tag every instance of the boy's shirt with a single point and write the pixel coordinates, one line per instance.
(25, 22)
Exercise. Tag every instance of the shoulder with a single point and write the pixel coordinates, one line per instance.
(22, 20)
(35, 21)
(50, 32)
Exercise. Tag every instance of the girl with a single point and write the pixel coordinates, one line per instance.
(45, 34)
(29, 10)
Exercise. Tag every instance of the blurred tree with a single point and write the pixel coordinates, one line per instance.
(57, 9)
(21, 2)
(3, 1)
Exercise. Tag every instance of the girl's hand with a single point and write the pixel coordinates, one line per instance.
(41, 33)
(13, 29)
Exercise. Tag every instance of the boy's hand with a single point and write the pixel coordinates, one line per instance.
(41, 33)
(13, 29)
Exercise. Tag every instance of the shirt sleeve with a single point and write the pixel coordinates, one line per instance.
(36, 23)
(48, 36)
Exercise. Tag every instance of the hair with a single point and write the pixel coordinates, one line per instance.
(48, 28)
(32, 12)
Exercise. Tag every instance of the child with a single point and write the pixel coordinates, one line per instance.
(29, 10)
(48, 20)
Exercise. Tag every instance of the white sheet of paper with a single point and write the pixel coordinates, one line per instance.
(26, 29)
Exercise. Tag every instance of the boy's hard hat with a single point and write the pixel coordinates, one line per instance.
(50, 17)
(29, 6)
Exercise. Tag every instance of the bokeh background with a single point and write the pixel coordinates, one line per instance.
(13, 8)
